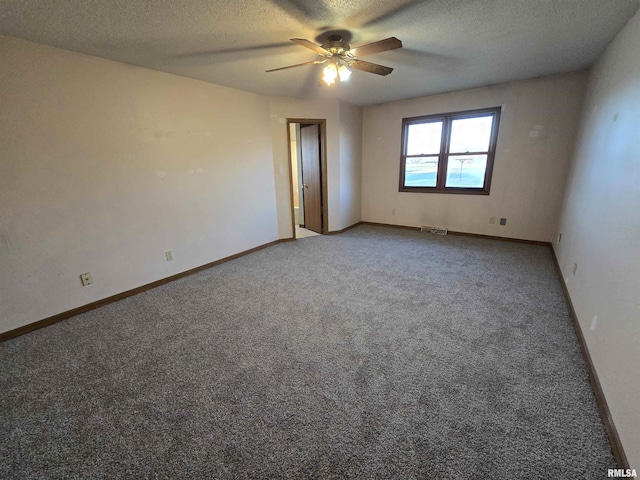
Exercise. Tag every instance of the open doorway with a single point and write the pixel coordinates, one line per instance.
(308, 173)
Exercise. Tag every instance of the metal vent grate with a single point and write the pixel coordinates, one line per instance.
(434, 230)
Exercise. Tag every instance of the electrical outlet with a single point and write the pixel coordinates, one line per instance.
(492, 220)
(168, 255)
(575, 267)
(503, 221)
(86, 279)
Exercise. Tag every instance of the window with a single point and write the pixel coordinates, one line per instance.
(449, 153)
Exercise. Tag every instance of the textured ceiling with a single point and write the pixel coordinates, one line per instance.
(448, 44)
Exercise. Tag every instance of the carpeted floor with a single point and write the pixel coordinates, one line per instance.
(376, 354)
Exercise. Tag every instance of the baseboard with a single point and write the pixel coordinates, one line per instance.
(391, 225)
(335, 232)
(465, 234)
(506, 239)
(614, 439)
(119, 296)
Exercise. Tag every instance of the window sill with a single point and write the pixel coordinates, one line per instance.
(455, 191)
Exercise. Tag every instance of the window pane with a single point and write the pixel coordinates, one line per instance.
(421, 172)
(471, 134)
(424, 138)
(466, 171)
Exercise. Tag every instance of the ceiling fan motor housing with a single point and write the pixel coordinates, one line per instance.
(336, 46)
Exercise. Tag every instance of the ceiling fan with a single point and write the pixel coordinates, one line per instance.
(340, 58)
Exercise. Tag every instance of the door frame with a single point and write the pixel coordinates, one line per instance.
(322, 123)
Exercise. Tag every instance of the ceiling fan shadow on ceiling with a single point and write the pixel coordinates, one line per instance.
(341, 59)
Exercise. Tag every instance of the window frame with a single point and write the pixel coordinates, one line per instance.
(444, 154)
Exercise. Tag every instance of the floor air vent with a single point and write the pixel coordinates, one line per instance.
(435, 230)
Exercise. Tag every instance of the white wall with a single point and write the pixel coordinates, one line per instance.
(350, 164)
(529, 172)
(295, 171)
(104, 166)
(600, 226)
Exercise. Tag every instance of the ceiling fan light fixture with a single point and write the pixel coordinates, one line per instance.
(341, 59)
(330, 74)
(344, 72)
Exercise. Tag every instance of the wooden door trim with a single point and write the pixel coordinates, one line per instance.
(323, 170)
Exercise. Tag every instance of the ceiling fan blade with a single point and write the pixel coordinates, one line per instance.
(312, 46)
(314, 62)
(370, 67)
(390, 43)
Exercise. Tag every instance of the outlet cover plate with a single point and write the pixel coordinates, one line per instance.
(86, 279)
